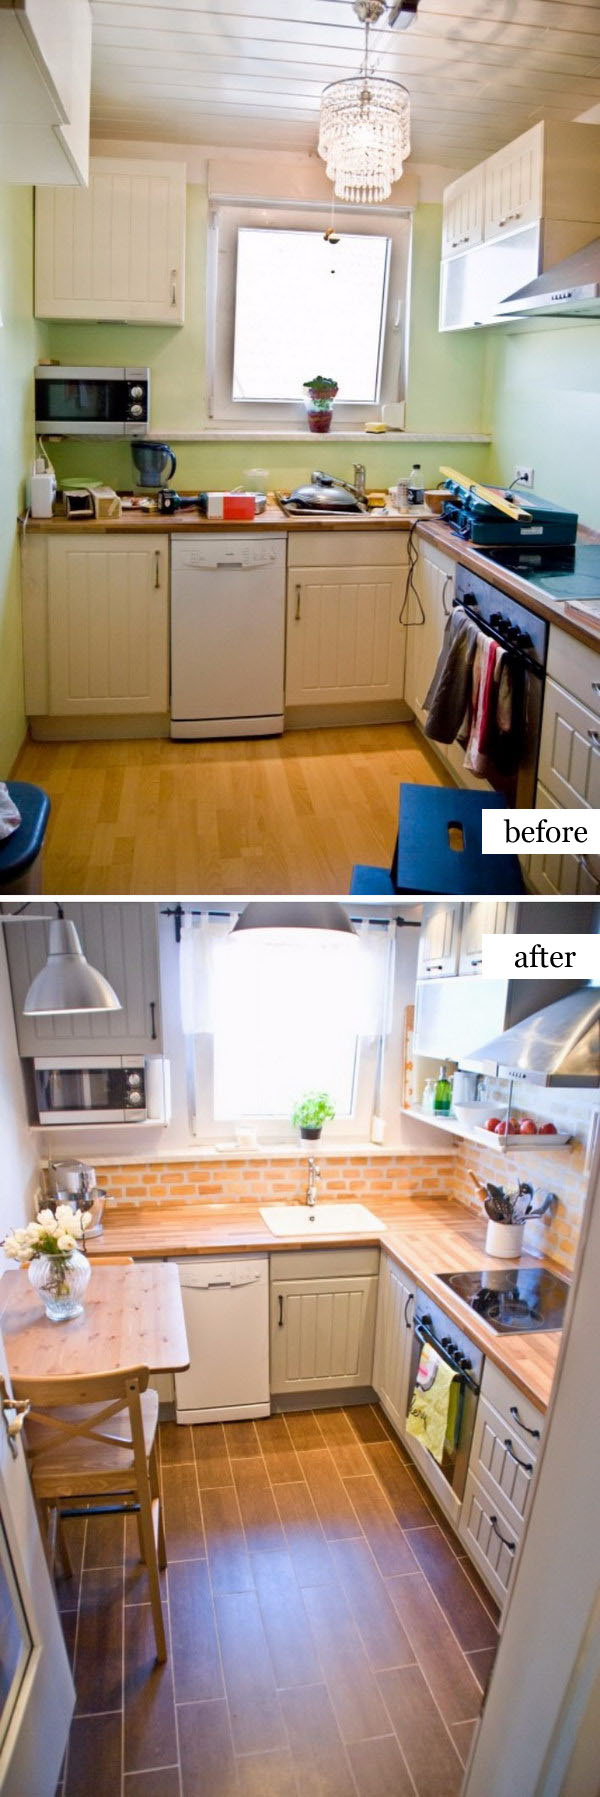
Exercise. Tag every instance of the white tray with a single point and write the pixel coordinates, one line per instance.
(503, 1144)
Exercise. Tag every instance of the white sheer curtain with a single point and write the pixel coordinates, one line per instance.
(286, 1012)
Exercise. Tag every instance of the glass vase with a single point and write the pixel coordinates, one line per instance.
(60, 1281)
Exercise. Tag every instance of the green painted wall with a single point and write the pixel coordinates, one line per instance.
(19, 340)
(546, 410)
(446, 387)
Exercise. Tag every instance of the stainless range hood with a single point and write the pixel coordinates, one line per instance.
(571, 289)
(558, 1046)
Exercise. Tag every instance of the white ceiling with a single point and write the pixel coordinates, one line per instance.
(249, 72)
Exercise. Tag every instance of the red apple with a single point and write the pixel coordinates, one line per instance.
(527, 1127)
(491, 1123)
(505, 1128)
(547, 1129)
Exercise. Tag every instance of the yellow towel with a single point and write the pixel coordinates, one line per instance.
(434, 1404)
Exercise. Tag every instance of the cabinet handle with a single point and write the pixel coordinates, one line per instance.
(517, 1419)
(173, 286)
(14, 1412)
(449, 581)
(596, 686)
(525, 1465)
(434, 966)
(582, 861)
(594, 736)
(410, 1300)
(157, 567)
(153, 1019)
(298, 599)
(511, 1545)
(280, 1322)
(476, 960)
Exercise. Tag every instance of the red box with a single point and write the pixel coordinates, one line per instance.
(239, 505)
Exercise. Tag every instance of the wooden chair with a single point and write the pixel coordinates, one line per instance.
(94, 1438)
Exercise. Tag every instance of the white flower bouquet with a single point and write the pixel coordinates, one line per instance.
(51, 1233)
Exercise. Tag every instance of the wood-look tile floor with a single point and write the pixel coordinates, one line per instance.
(326, 1638)
(280, 814)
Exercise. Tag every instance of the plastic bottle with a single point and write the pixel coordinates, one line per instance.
(416, 490)
(442, 1098)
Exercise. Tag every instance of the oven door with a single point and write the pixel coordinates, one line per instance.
(81, 1094)
(447, 1480)
(82, 401)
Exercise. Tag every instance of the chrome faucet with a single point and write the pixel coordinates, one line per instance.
(314, 1173)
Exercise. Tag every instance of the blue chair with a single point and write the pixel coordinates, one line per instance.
(424, 859)
(21, 853)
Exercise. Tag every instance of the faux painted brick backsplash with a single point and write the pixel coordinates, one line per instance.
(559, 1170)
(257, 1180)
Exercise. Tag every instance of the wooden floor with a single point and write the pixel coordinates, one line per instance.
(280, 814)
(325, 1637)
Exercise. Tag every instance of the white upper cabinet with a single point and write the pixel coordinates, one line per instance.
(116, 251)
(45, 72)
(463, 213)
(483, 917)
(514, 184)
(439, 941)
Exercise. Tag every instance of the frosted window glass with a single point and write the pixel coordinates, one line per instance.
(305, 307)
(287, 1021)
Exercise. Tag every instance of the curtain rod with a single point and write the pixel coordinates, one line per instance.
(178, 912)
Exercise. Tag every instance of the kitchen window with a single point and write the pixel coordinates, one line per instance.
(268, 1018)
(285, 303)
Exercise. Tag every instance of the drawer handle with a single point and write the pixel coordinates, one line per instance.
(434, 966)
(280, 1323)
(410, 1300)
(594, 736)
(517, 1419)
(596, 686)
(173, 286)
(298, 598)
(524, 1464)
(153, 1029)
(511, 1545)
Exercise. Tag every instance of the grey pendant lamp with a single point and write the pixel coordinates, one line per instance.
(67, 982)
(295, 915)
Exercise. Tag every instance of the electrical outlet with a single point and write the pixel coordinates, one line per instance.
(523, 477)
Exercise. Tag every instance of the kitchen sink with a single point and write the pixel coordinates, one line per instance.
(321, 1219)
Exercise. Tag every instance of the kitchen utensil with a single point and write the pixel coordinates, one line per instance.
(151, 461)
(464, 1088)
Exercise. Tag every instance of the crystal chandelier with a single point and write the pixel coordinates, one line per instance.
(364, 134)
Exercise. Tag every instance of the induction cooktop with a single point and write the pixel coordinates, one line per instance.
(569, 572)
(513, 1299)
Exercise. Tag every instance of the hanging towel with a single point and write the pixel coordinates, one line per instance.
(449, 693)
(433, 1409)
(486, 668)
(10, 818)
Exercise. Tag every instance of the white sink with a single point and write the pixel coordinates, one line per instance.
(323, 1219)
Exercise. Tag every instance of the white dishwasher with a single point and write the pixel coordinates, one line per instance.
(226, 1306)
(227, 635)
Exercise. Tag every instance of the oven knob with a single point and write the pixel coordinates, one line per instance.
(136, 392)
(134, 1098)
(497, 620)
(135, 411)
(446, 1341)
(134, 1079)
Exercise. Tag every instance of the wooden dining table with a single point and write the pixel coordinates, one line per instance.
(132, 1316)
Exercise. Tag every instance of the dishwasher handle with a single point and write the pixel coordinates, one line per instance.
(202, 1280)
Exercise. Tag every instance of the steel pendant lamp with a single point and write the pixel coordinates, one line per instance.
(331, 919)
(67, 982)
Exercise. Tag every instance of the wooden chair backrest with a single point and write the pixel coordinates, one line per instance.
(102, 1395)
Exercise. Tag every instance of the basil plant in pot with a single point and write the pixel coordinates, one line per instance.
(320, 395)
(311, 1113)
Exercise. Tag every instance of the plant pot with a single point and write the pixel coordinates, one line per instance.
(319, 417)
(60, 1281)
(504, 1240)
(309, 1134)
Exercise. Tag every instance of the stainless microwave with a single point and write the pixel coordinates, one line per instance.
(92, 402)
(106, 1089)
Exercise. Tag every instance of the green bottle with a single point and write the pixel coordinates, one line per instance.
(442, 1097)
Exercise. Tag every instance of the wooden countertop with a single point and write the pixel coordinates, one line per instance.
(180, 523)
(435, 531)
(132, 1316)
(425, 1237)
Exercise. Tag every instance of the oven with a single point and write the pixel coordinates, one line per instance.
(91, 402)
(431, 1327)
(102, 1089)
(525, 636)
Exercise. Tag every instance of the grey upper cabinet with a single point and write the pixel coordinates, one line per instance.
(121, 940)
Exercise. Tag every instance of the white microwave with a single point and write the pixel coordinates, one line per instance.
(101, 1089)
(91, 402)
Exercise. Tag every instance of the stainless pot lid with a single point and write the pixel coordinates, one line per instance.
(324, 499)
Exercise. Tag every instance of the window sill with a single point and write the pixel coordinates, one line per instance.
(224, 433)
(272, 1151)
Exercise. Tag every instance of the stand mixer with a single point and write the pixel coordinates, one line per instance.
(74, 1183)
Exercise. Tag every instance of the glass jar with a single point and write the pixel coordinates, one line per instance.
(428, 1095)
(60, 1280)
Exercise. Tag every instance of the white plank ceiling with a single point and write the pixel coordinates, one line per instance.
(249, 72)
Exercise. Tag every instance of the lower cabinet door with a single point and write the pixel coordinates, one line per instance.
(108, 617)
(392, 1356)
(322, 1333)
(344, 640)
(491, 1541)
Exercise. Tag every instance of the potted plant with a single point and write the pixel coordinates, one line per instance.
(57, 1270)
(508, 1212)
(320, 395)
(311, 1113)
